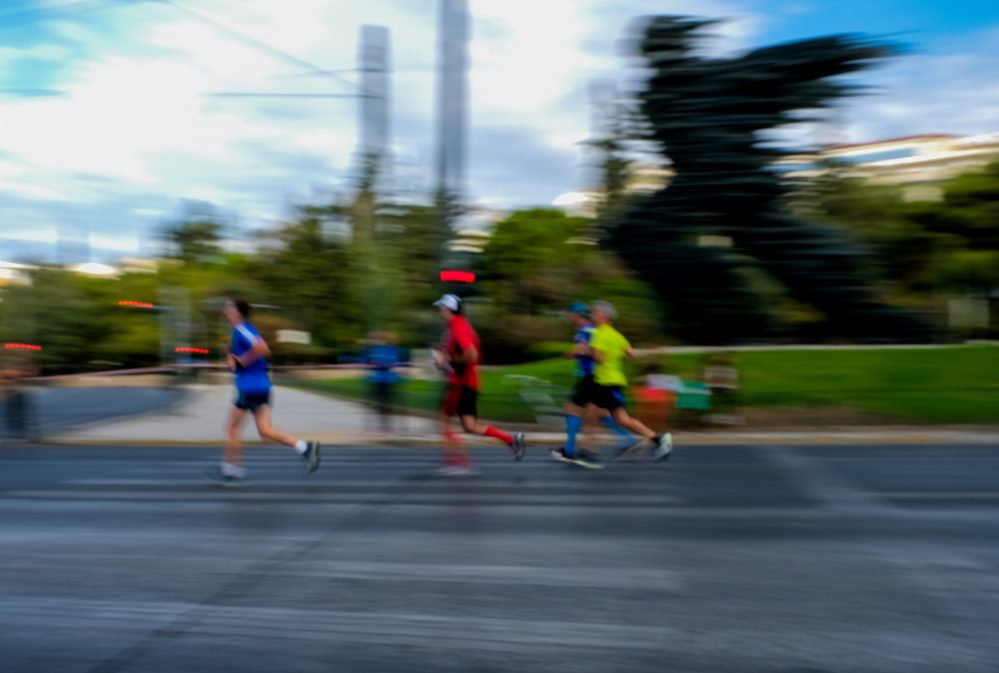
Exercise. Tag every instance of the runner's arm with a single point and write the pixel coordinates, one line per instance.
(258, 349)
(471, 354)
(467, 347)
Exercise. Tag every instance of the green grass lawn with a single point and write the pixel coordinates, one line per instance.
(945, 385)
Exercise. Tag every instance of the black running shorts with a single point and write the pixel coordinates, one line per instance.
(460, 400)
(609, 397)
(585, 392)
(252, 401)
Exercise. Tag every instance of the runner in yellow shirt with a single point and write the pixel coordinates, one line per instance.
(609, 348)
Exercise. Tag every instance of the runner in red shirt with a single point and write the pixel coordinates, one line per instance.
(459, 357)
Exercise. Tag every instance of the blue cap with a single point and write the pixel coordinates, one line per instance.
(580, 308)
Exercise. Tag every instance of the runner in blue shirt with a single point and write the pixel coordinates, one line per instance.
(246, 356)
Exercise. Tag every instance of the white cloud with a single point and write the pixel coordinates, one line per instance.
(136, 122)
(135, 113)
(930, 93)
(533, 62)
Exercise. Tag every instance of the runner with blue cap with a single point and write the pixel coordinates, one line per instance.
(578, 314)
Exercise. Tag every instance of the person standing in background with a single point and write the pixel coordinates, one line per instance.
(382, 358)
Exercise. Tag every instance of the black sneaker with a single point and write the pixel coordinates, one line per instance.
(560, 455)
(587, 459)
(519, 447)
(312, 456)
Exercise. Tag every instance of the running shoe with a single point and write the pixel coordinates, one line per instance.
(560, 455)
(519, 446)
(579, 457)
(458, 471)
(311, 456)
(587, 459)
(664, 448)
(225, 480)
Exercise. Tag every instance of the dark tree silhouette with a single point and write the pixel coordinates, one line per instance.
(707, 115)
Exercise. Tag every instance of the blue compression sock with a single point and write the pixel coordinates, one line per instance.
(572, 426)
(626, 436)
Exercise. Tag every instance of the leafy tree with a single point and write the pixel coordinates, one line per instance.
(920, 248)
(194, 238)
(531, 255)
(309, 276)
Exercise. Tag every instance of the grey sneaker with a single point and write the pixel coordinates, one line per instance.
(463, 471)
(311, 455)
(225, 480)
(664, 448)
(519, 446)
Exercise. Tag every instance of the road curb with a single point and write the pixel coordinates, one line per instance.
(679, 439)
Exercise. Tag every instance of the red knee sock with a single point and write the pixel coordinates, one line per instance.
(496, 433)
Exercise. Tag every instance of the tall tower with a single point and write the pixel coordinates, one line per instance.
(452, 116)
(452, 96)
(373, 61)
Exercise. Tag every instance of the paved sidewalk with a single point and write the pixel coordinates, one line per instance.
(199, 418)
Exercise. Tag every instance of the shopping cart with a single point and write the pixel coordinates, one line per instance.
(545, 399)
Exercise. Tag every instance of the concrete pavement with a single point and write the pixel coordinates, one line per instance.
(199, 417)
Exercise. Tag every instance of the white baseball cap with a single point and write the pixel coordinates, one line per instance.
(449, 301)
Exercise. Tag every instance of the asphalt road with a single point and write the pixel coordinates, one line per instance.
(752, 558)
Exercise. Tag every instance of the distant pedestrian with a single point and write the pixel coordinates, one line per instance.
(18, 402)
(383, 358)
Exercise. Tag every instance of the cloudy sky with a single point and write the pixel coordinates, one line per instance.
(105, 123)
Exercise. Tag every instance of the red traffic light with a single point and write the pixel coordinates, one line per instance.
(188, 349)
(452, 276)
(22, 347)
(136, 304)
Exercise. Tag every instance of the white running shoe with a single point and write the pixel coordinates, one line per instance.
(664, 448)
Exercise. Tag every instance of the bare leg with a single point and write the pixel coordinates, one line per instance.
(262, 416)
(591, 419)
(471, 425)
(455, 452)
(233, 453)
(625, 421)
